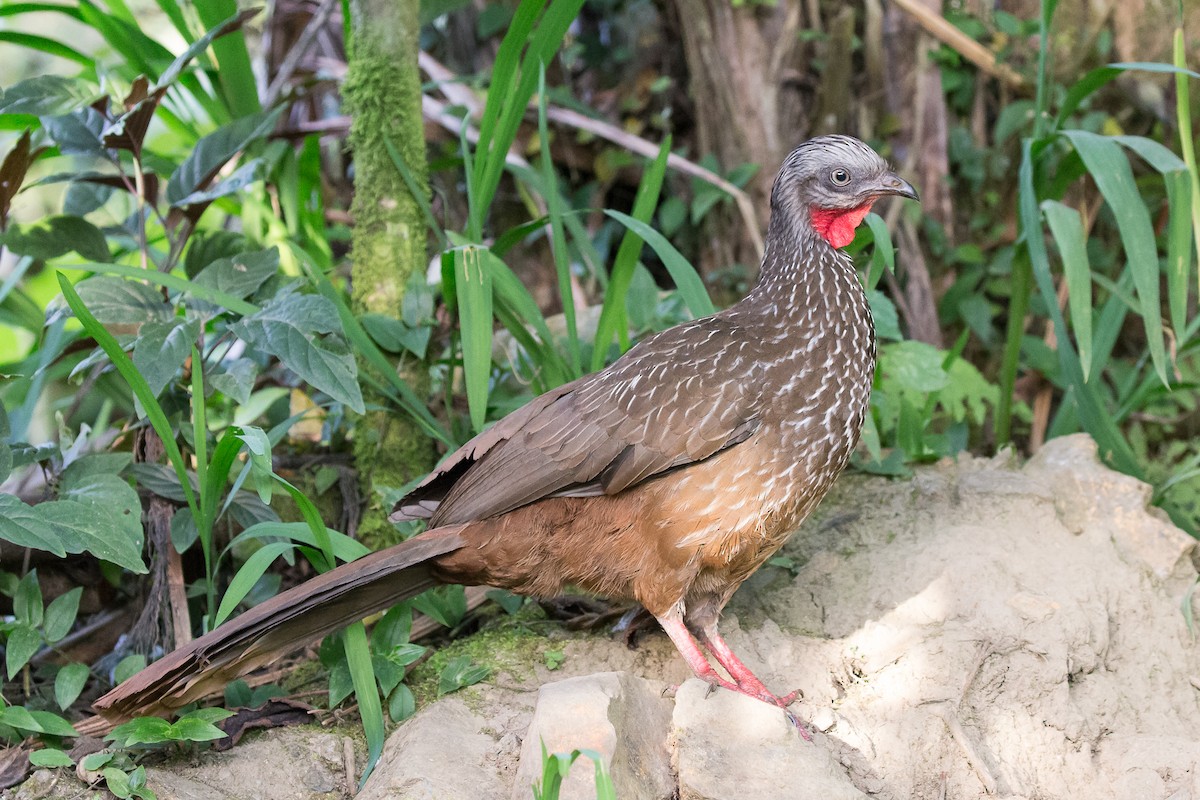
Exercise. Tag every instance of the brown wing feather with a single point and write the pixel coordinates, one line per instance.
(678, 397)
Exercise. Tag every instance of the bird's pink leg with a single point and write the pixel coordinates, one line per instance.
(747, 681)
(692, 654)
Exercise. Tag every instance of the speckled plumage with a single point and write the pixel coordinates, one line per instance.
(667, 478)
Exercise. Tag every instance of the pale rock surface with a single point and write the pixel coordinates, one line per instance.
(729, 747)
(981, 630)
(623, 718)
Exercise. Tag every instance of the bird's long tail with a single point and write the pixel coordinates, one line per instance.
(287, 621)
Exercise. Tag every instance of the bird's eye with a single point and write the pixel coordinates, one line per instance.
(840, 177)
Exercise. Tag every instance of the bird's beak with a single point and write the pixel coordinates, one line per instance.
(891, 183)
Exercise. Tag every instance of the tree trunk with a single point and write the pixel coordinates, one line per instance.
(742, 60)
(382, 92)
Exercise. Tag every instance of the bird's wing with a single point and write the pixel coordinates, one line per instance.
(678, 397)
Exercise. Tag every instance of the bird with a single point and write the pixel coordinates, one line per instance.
(666, 478)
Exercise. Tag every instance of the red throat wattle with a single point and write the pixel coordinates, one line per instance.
(836, 225)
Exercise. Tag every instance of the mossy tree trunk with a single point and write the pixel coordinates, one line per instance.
(382, 92)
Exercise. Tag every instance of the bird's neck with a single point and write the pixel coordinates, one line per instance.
(803, 280)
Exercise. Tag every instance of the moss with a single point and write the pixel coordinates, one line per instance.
(383, 94)
(513, 646)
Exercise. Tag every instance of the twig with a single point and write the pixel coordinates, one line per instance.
(460, 94)
(299, 51)
(938, 27)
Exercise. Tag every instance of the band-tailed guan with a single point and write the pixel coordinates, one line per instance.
(667, 478)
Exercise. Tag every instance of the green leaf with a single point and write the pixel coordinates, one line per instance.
(113, 300)
(344, 548)
(249, 574)
(92, 464)
(1067, 229)
(236, 381)
(401, 704)
(52, 237)
(249, 173)
(53, 724)
(395, 336)
(50, 757)
(240, 275)
(190, 729)
(370, 710)
(23, 641)
(473, 287)
(60, 614)
(27, 602)
(143, 730)
(97, 529)
(117, 782)
(24, 526)
(288, 328)
(161, 348)
(1110, 170)
(129, 666)
(46, 95)
(214, 151)
(77, 133)
(460, 673)
(691, 288)
(69, 683)
(445, 604)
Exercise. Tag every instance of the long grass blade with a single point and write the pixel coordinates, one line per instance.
(1093, 415)
(1067, 229)
(687, 280)
(473, 290)
(614, 316)
(558, 238)
(141, 389)
(1187, 146)
(1179, 248)
(362, 675)
(1110, 170)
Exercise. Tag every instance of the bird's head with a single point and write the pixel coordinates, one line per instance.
(829, 184)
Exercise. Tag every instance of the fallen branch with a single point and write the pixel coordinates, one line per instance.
(939, 28)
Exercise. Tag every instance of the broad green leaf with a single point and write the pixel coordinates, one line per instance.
(687, 280)
(60, 615)
(22, 642)
(1110, 170)
(288, 328)
(395, 336)
(50, 757)
(77, 133)
(129, 666)
(184, 532)
(27, 601)
(19, 717)
(107, 492)
(1067, 229)
(53, 724)
(214, 151)
(887, 320)
(52, 237)
(249, 173)
(161, 480)
(191, 729)
(240, 275)
(24, 526)
(95, 464)
(113, 300)
(97, 530)
(144, 730)
(46, 95)
(473, 286)
(161, 348)
(402, 704)
(69, 683)
(117, 782)
(236, 381)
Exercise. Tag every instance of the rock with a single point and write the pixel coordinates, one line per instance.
(440, 754)
(622, 717)
(731, 747)
(299, 763)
